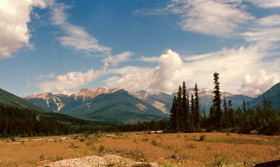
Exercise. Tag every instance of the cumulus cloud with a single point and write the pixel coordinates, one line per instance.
(259, 83)
(15, 15)
(163, 77)
(68, 82)
(114, 60)
(232, 64)
(76, 37)
(211, 17)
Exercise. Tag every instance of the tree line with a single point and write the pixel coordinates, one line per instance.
(187, 116)
(24, 122)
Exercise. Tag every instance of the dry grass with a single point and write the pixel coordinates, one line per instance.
(167, 149)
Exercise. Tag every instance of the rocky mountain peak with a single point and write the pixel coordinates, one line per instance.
(46, 95)
(94, 92)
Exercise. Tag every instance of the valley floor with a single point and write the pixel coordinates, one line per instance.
(178, 149)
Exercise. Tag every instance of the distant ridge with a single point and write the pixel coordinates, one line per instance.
(272, 95)
(9, 99)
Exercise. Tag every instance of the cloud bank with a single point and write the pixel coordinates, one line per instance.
(68, 82)
(259, 83)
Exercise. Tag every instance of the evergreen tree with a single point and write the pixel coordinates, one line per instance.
(192, 109)
(230, 113)
(217, 100)
(244, 106)
(196, 108)
(185, 105)
(173, 115)
(226, 113)
(179, 109)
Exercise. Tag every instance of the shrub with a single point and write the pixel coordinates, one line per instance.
(101, 148)
(89, 143)
(86, 134)
(42, 157)
(202, 137)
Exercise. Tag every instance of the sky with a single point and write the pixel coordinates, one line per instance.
(62, 46)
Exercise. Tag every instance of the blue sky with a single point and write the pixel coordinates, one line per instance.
(63, 46)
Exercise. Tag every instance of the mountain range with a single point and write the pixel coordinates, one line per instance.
(120, 106)
(113, 105)
(108, 104)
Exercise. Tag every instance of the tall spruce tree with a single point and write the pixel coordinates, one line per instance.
(196, 108)
(173, 115)
(217, 100)
(230, 113)
(226, 113)
(192, 109)
(185, 105)
(179, 109)
(244, 106)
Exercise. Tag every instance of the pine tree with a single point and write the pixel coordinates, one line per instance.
(179, 109)
(196, 108)
(173, 115)
(192, 109)
(230, 113)
(226, 113)
(185, 106)
(217, 100)
(244, 106)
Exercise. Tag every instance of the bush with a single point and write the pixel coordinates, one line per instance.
(101, 148)
(89, 143)
(202, 137)
(86, 134)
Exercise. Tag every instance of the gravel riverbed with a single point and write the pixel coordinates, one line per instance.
(96, 161)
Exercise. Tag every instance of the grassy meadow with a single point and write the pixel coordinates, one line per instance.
(177, 149)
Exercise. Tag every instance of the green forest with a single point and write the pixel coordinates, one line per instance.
(24, 122)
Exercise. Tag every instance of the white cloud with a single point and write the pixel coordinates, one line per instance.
(272, 20)
(212, 17)
(76, 37)
(232, 64)
(52, 75)
(266, 31)
(114, 60)
(259, 83)
(69, 82)
(266, 3)
(163, 77)
(132, 78)
(149, 59)
(15, 15)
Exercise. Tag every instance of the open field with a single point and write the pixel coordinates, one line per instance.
(178, 149)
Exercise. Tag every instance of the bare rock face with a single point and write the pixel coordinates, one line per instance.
(92, 93)
(96, 161)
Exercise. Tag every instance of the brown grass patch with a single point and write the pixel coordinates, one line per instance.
(166, 149)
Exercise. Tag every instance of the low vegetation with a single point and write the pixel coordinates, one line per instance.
(182, 149)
